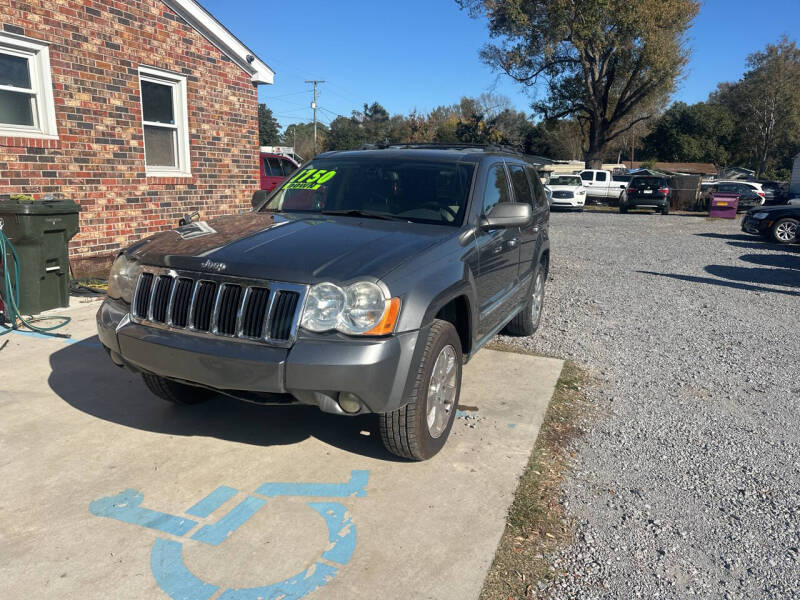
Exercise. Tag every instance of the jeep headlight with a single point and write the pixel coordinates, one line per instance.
(760, 215)
(358, 309)
(122, 279)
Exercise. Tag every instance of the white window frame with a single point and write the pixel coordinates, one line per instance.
(41, 90)
(181, 125)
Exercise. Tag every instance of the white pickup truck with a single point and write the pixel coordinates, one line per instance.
(601, 184)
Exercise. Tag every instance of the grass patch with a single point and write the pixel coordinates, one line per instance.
(536, 525)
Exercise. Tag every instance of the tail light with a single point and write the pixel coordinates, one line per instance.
(762, 194)
(631, 189)
(663, 190)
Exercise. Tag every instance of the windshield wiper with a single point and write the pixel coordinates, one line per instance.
(363, 213)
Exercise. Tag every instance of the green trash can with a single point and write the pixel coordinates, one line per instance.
(39, 231)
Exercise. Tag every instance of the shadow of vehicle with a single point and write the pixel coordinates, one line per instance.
(781, 261)
(84, 377)
(755, 275)
(742, 237)
(722, 282)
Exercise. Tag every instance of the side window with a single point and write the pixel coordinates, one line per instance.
(540, 198)
(600, 176)
(522, 187)
(496, 188)
(587, 175)
(272, 167)
(287, 167)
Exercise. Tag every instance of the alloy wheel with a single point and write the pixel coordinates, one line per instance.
(538, 297)
(786, 231)
(442, 391)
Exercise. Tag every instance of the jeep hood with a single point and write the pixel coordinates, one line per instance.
(291, 247)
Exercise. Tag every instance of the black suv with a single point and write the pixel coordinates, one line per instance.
(648, 192)
(360, 285)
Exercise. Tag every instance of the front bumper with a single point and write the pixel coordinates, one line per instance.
(314, 370)
(755, 226)
(576, 202)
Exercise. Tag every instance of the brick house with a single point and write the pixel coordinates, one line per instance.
(139, 110)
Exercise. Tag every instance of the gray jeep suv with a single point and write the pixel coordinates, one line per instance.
(360, 285)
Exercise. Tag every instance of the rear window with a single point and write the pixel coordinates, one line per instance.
(413, 190)
(648, 183)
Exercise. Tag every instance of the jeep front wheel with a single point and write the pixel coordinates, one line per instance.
(419, 429)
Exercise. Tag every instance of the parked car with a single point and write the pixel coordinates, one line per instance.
(362, 285)
(566, 191)
(600, 184)
(778, 223)
(775, 192)
(748, 195)
(274, 169)
(645, 191)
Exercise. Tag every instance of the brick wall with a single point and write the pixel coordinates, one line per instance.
(96, 48)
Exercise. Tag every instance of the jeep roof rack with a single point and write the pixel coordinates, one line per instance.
(456, 146)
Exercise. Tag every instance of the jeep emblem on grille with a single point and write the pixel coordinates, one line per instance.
(217, 267)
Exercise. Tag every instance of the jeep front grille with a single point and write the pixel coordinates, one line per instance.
(218, 305)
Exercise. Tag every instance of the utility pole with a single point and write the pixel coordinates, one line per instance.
(314, 106)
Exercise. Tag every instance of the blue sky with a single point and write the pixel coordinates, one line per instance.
(423, 53)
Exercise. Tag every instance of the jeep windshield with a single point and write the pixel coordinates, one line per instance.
(380, 188)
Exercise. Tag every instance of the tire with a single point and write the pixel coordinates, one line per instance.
(526, 322)
(177, 393)
(419, 429)
(665, 209)
(623, 209)
(785, 231)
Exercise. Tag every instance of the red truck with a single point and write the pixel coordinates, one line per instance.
(275, 168)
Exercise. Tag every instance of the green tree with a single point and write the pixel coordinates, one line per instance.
(301, 136)
(767, 102)
(267, 127)
(608, 63)
(346, 133)
(701, 132)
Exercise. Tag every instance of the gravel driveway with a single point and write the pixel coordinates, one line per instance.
(688, 482)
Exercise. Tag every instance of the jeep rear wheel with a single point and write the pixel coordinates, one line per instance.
(526, 322)
(177, 393)
(419, 429)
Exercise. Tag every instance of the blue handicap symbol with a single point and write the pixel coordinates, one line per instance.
(166, 558)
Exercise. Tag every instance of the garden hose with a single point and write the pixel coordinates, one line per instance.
(9, 294)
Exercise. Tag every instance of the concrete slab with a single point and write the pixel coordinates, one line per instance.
(198, 521)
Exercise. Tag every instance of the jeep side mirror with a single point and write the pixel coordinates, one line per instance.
(259, 197)
(506, 215)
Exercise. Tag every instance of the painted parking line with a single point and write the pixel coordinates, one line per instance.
(212, 502)
(177, 580)
(217, 533)
(354, 487)
(125, 507)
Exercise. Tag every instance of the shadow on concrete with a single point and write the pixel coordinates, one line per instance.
(723, 283)
(84, 377)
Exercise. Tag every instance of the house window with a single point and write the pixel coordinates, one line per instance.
(164, 123)
(26, 92)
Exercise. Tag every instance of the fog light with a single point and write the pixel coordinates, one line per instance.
(350, 403)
